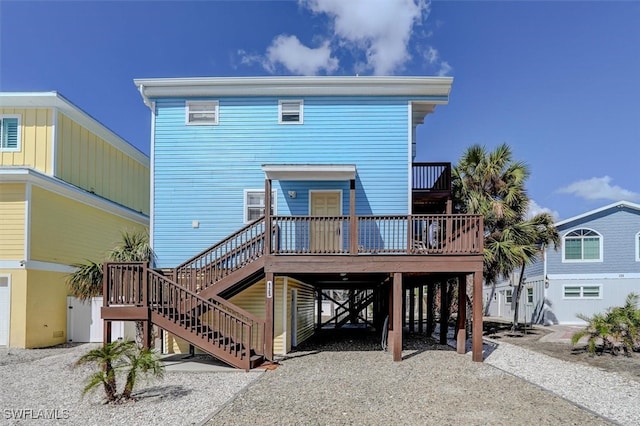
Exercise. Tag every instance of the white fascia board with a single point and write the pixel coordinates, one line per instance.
(296, 86)
(619, 204)
(56, 101)
(309, 171)
(37, 265)
(26, 175)
(606, 276)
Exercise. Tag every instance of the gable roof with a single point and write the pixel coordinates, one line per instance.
(56, 100)
(618, 204)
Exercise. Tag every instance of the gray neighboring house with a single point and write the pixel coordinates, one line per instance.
(596, 267)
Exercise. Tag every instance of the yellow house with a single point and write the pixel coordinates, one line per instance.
(68, 188)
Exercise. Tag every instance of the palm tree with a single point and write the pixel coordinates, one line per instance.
(107, 358)
(534, 235)
(598, 329)
(143, 361)
(86, 281)
(492, 184)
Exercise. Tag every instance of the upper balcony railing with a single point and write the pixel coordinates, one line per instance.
(431, 177)
(438, 234)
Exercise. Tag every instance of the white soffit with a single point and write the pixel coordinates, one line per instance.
(309, 171)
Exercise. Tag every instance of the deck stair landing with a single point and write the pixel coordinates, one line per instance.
(215, 325)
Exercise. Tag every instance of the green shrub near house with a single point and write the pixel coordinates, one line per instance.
(616, 329)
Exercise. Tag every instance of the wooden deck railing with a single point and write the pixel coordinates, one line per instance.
(432, 177)
(232, 332)
(414, 234)
(220, 260)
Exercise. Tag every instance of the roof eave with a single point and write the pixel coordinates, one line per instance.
(436, 87)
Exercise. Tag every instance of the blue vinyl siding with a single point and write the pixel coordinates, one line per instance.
(618, 228)
(200, 172)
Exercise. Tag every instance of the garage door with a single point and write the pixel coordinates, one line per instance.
(5, 304)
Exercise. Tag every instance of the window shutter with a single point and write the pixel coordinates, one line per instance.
(9, 133)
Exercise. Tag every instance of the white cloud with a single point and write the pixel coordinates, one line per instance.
(535, 208)
(445, 68)
(374, 35)
(381, 28)
(296, 57)
(432, 56)
(599, 188)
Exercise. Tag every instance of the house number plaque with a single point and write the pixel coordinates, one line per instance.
(269, 289)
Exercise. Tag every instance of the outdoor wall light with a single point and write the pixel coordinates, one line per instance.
(292, 194)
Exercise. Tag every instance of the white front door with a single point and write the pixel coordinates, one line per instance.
(5, 310)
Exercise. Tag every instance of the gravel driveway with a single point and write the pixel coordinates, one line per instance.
(328, 383)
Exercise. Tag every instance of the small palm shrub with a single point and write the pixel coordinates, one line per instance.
(618, 328)
(119, 357)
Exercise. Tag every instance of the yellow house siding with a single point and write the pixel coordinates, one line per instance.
(36, 139)
(17, 326)
(46, 309)
(253, 299)
(12, 226)
(305, 301)
(67, 231)
(91, 163)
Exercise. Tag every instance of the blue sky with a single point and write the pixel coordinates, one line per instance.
(558, 81)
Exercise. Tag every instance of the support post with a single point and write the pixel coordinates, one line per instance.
(146, 334)
(476, 329)
(431, 289)
(353, 224)
(404, 307)
(267, 216)
(106, 332)
(461, 332)
(397, 316)
(444, 312)
(412, 309)
(106, 325)
(269, 304)
(420, 308)
(319, 303)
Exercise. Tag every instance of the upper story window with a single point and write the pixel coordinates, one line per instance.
(9, 132)
(201, 113)
(290, 112)
(582, 245)
(254, 204)
(638, 247)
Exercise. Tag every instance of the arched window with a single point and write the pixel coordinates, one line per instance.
(582, 245)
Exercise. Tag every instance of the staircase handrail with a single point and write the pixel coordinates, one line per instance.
(187, 273)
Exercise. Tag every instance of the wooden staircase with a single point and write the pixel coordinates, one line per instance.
(187, 303)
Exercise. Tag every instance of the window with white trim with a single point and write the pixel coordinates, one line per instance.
(582, 291)
(290, 112)
(582, 245)
(638, 247)
(254, 204)
(9, 132)
(201, 113)
(530, 295)
(508, 296)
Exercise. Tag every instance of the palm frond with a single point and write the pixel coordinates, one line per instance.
(86, 281)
